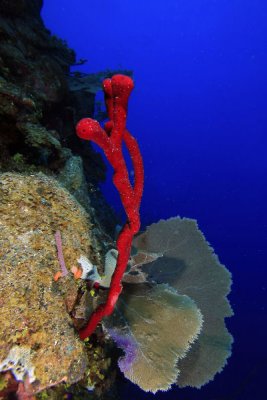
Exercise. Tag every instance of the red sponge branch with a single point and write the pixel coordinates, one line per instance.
(117, 91)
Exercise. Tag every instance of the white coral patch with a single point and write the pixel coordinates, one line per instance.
(89, 270)
(19, 362)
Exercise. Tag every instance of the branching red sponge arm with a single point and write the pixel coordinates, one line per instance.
(110, 139)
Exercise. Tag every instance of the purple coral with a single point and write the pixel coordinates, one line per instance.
(60, 253)
(128, 345)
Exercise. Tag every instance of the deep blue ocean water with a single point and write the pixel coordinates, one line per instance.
(199, 113)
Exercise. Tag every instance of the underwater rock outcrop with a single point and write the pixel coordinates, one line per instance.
(37, 338)
(40, 102)
(33, 64)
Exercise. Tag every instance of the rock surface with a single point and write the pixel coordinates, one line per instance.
(33, 65)
(40, 103)
(37, 337)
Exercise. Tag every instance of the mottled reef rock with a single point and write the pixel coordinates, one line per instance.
(33, 87)
(37, 336)
(41, 101)
(42, 165)
(38, 340)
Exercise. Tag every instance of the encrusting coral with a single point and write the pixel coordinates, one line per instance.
(34, 308)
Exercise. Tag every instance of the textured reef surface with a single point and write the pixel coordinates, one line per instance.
(40, 103)
(48, 184)
(40, 316)
(39, 339)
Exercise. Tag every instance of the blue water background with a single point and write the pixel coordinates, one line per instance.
(199, 113)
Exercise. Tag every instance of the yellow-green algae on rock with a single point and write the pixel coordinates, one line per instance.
(37, 337)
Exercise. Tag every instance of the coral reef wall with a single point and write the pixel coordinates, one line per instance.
(40, 104)
(33, 65)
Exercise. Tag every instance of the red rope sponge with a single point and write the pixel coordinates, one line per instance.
(117, 91)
